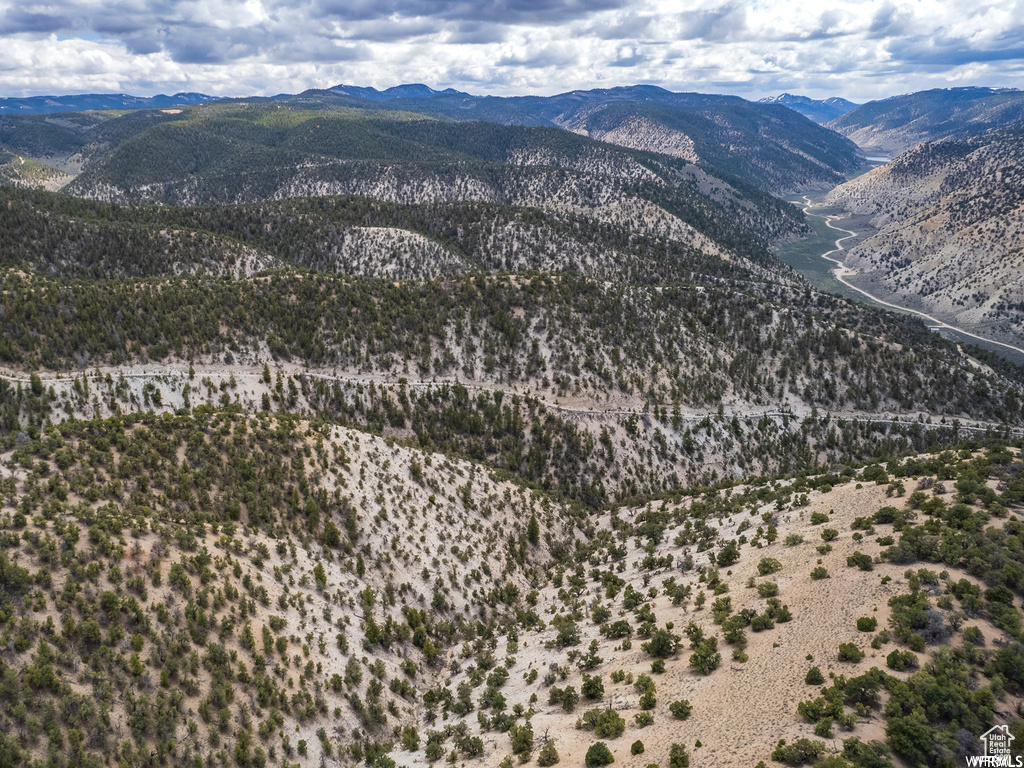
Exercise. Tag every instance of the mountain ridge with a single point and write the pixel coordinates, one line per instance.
(901, 122)
(949, 217)
(97, 101)
(820, 111)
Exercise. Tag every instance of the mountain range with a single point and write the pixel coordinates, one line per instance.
(732, 138)
(901, 122)
(34, 105)
(820, 111)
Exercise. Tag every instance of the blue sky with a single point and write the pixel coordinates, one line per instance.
(860, 50)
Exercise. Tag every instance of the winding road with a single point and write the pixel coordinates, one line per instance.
(841, 272)
(250, 377)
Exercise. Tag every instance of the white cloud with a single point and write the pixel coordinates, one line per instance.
(857, 49)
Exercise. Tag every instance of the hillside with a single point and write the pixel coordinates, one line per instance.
(246, 152)
(634, 240)
(590, 390)
(950, 228)
(788, 154)
(768, 148)
(777, 149)
(162, 603)
(901, 122)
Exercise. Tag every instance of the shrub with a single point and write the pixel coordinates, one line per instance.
(859, 560)
(643, 719)
(818, 518)
(548, 755)
(973, 636)
(648, 700)
(680, 709)
(729, 554)
(636, 748)
(799, 752)
(876, 473)
(823, 728)
(706, 658)
(768, 565)
(678, 757)
(410, 738)
(644, 684)
(570, 698)
(606, 723)
(522, 739)
(662, 644)
(733, 629)
(829, 534)
(767, 589)
(901, 660)
(616, 630)
(850, 652)
(890, 514)
(599, 755)
(814, 677)
(873, 754)
(331, 536)
(867, 624)
(819, 573)
(592, 687)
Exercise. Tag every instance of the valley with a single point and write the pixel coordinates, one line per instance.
(806, 257)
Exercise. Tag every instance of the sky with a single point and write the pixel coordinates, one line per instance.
(860, 50)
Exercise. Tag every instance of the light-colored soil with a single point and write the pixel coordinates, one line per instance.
(742, 709)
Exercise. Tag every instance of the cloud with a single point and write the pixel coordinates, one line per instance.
(628, 57)
(890, 20)
(856, 48)
(956, 51)
(713, 24)
(473, 33)
(630, 25)
(525, 12)
(19, 20)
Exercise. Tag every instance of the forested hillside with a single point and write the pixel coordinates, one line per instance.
(215, 589)
(771, 148)
(901, 122)
(357, 235)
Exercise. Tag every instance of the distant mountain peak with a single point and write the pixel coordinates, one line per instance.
(82, 102)
(404, 91)
(820, 111)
